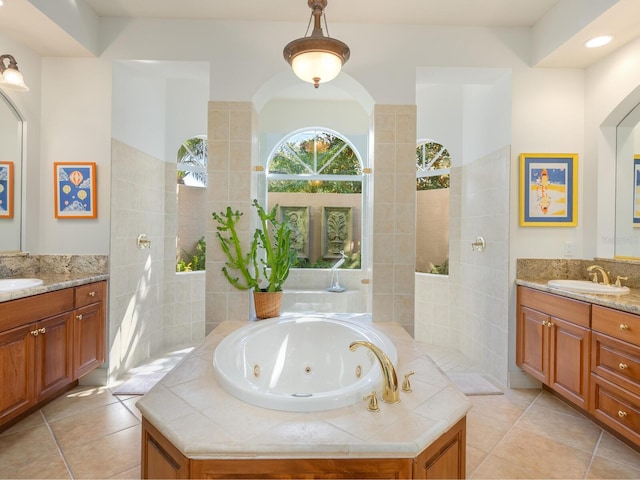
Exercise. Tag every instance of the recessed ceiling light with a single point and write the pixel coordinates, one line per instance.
(599, 41)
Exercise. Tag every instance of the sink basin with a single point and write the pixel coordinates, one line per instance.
(10, 284)
(586, 286)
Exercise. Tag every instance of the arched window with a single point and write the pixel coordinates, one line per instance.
(315, 176)
(192, 162)
(192, 159)
(433, 164)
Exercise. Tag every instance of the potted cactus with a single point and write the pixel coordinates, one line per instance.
(248, 270)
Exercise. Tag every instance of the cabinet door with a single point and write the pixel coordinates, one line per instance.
(89, 339)
(53, 355)
(532, 350)
(16, 371)
(569, 360)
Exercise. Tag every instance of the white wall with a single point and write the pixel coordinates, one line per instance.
(76, 125)
(612, 90)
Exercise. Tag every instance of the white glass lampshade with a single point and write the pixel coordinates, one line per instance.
(12, 78)
(316, 67)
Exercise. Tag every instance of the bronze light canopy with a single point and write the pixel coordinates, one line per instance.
(315, 58)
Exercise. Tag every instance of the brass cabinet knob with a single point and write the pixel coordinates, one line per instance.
(624, 326)
(622, 413)
(544, 323)
(42, 330)
(92, 294)
(79, 317)
(623, 366)
(34, 333)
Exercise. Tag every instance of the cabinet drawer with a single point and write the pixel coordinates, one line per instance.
(621, 325)
(91, 293)
(618, 362)
(30, 309)
(568, 309)
(616, 407)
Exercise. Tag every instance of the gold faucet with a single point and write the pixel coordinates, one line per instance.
(390, 393)
(598, 268)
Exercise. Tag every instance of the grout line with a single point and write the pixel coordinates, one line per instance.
(55, 440)
(593, 455)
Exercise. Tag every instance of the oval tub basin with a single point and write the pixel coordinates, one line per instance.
(301, 364)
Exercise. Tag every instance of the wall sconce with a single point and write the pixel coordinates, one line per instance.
(10, 76)
(316, 59)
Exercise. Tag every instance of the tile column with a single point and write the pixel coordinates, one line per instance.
(230, 140)
(394, 206)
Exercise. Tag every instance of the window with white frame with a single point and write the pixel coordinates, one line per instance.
(315, 176)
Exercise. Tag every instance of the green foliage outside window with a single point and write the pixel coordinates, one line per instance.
(431, 156)
(191, 262)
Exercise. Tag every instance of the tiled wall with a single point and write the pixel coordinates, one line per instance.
(230, 127)
(393, 129)
(479, 286)
(147, 312)
(394, 206)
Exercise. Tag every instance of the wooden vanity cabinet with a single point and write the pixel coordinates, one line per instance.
(89, 345)
(615, 371)
(46, 343)
(553, 342)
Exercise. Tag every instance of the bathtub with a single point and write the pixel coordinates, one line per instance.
(301, 363)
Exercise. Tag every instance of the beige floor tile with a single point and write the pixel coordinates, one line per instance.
(33, 420)
(107, 456)
(474, 457)
(89, 425)
(536, 452)
(576, 432)
(42, 466)
(483, 432)
(79, 399)
(602, 468)
(499, 468)
(25, 446)
(502, 409)
(614, 450)
(133, 473)
(550, 401)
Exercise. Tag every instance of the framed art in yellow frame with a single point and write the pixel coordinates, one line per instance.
(548, 189)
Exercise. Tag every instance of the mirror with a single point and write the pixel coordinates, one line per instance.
(11, 141)
(627, 232)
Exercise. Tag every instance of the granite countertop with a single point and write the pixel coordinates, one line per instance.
(627, 303)
(53, 282)
(204, 421)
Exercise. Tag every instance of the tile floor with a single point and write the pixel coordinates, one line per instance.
(91, 433)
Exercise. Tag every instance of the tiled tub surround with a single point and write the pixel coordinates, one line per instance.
(56, 271)
(205, 422)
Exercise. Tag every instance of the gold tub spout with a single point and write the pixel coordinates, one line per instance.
(390, 393)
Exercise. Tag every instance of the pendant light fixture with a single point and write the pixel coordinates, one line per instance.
(10, 76)
(315, 58)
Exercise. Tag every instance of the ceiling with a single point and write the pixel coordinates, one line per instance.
(427, 12)
(25, 22)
